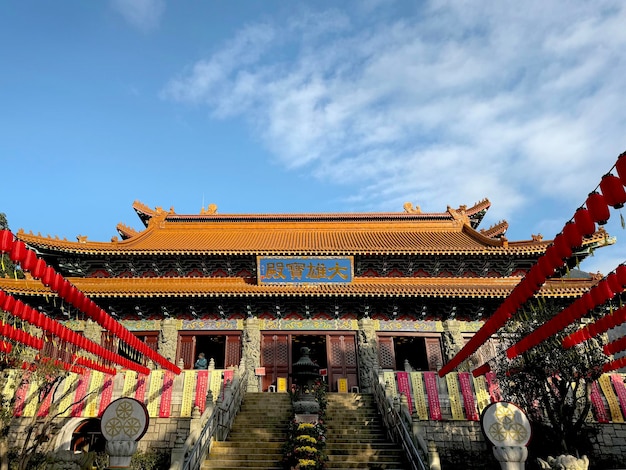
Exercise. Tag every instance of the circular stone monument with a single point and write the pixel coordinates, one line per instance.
(123, 423)
(505, 424)
(125, 419)
(507, 428)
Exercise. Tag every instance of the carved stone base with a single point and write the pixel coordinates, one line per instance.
(511, 457)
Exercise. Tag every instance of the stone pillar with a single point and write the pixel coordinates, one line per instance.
(168, 339)
(452, 338)
(367, 345)
(251, 355)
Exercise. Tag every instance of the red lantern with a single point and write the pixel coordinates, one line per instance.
(546, 268)
(563, 248)
(8, 304)
(584, 222)
(6, 241)
(29, 260)
(614, 283)
(620, 167)
(48, 276)
(598, 208)
(18, 251)
(554, 258)
(57, 282)
(38, 269)
(613, 191)
(601, 293)
(572, 235)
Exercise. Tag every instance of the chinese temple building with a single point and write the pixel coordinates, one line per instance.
(363, 291)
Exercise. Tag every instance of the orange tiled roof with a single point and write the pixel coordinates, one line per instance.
(361, 286)
(209, 233)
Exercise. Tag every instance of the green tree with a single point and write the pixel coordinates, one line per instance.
(552, 384)
(7, 267)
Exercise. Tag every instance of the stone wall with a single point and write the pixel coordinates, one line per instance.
(461, 445)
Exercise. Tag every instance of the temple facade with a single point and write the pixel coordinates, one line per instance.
(363, 291)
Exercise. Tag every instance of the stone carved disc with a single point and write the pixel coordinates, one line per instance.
(505, 424)
(125, 419)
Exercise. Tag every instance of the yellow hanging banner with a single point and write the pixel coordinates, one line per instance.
(482, 394)
(216, 383)
(154, 392)
(189, 384)
(130, 382)
(32, 399)
(419, 396)
(95, 390)
(452, 379)
(611, 398)
(68, 394)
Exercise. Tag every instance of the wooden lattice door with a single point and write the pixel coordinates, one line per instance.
(233, 351)
(186, 347)
(433, 353)
(386, 352)
(342, 360)
(274, 357)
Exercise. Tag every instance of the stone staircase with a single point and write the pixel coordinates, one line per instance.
(356, 437)
(257, 436)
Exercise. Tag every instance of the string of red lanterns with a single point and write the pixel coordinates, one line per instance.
(30, 315)
(583, 223)
(28, 260)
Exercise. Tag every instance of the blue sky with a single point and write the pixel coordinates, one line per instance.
(310, 106)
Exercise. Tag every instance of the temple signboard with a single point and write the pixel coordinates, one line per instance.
(305, 269)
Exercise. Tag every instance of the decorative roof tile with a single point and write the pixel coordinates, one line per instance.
(238, 287)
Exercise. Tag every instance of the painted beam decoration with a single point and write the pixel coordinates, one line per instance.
(305, 269)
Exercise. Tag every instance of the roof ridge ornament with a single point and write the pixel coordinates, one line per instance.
(409, 209)
(459, 215)
(210, 210)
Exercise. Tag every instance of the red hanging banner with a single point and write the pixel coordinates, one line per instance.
(202, 384)
(20, 395)
(405, 388)
(434, 408)
(140, 391)
(493, 387)
(598, 404)
(106, 395)
(468, 396)
(166, 395)
(81, 391)
(620, 391)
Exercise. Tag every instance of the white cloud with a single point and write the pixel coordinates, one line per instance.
(142, 14)
(447, 105)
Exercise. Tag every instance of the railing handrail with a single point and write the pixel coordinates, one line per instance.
(219, 422)
(395, 425)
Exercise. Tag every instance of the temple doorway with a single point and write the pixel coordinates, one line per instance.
(335, 352)
(223, 347)
(316, 345)
(417, 352)
(87, 437)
